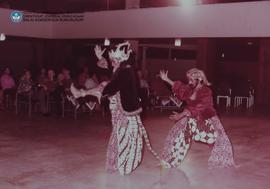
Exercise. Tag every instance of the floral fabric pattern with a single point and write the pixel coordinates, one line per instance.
(186, 130)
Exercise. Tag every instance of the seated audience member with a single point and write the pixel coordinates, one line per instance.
(83, 76)
(42, 75)
(8, 85)
(59, 92)
(67, 79)
(91, 82)
(46, 90)
(25, 84)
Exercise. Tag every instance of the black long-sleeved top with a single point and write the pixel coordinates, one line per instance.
(124, 80)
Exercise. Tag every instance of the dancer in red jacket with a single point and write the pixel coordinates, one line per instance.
(198, 122)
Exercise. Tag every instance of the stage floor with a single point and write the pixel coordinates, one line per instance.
(51, 153)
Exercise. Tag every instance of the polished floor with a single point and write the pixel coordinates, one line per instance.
(56, 153)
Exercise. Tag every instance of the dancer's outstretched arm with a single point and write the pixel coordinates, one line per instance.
(164, 76)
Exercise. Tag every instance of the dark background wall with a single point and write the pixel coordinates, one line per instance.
(234, 59)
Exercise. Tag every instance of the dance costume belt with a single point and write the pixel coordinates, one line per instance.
(133, 113)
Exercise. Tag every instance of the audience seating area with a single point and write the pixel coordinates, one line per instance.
(239, 95)
(53, 96)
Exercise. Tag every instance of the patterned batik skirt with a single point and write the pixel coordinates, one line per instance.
(124, 151)
(210, 132)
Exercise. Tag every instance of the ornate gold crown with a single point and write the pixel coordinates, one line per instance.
(121, 53)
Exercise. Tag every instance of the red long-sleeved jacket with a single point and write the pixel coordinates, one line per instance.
(202, 106)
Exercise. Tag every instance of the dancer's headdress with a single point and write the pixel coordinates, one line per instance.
(195, 73)
(121, 53)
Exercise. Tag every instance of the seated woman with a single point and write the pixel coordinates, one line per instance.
(8, 86)
(25, 84)
(46, 90)
(198, 122)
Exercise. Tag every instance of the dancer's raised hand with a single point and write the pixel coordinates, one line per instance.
(99, 52)
(163, 75)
